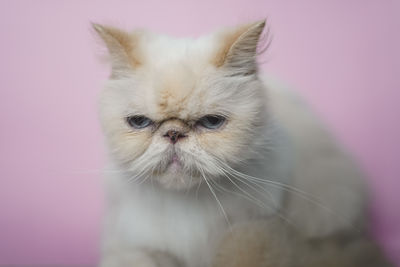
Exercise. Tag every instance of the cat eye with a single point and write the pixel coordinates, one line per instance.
(211, 121)
(139, 122)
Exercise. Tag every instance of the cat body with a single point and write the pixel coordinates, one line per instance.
(199, 143)
(187, 224)
(274, 243)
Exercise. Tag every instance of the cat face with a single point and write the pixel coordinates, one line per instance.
(178, 110)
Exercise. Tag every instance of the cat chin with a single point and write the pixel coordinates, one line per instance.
(175, 179)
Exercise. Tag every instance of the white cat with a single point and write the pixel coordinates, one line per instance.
(199, 142)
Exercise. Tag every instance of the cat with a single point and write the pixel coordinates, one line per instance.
(274, 243)
(199, 142)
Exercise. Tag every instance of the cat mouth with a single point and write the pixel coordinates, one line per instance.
(175, 162)
(176, 171)
(171, 163)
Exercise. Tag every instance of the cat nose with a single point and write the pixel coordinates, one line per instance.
(174, 135)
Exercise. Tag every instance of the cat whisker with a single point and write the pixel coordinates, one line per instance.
(216, 198)
(273, 183)
(245, 194)
(139, 174)
(225, 173)
(190, 182)
(258, 186)
(252, 199)
(262, 189)
(302, 194)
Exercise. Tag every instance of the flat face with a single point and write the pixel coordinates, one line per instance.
(177, 117)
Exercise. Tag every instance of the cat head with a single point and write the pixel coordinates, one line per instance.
(179, 110)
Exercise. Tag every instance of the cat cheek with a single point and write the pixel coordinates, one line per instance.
(220, 143)
(130, 145)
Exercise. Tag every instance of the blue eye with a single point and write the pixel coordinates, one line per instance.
(211, 121)
(139, 122)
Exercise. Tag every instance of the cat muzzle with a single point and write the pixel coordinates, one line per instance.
(174, 135)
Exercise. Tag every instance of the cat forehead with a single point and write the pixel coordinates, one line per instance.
(174, 75)
(161, 50)
(175, 91)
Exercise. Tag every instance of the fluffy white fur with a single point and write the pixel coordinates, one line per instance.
(270, 158)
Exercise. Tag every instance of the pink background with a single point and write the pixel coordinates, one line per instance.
(342, 55)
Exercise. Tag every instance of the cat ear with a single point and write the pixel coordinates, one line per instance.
(239, 49)
(121, 47)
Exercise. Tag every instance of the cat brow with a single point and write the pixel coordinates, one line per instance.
(158, 124)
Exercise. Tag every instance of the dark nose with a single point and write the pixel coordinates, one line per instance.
(174, 135)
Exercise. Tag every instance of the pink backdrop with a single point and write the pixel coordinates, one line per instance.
(342, 55)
